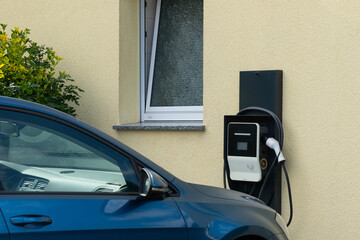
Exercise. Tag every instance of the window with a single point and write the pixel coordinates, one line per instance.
(172, 60)
(40, 155)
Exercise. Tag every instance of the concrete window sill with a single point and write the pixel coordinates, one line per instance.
(163, 125)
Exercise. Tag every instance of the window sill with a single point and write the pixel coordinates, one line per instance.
(163, 125)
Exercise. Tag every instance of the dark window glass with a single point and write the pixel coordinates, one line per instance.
(178, 71)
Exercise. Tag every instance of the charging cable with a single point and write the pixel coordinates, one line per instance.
(273, 144)
(289, 192)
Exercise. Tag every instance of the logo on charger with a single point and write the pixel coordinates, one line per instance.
(250, 166)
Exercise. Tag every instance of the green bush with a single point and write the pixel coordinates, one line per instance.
(27, 71)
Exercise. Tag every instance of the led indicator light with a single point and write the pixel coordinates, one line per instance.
(263, 163)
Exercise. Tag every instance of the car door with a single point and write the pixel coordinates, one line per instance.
(61, 182)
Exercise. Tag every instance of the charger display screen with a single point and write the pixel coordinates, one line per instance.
(242, 146)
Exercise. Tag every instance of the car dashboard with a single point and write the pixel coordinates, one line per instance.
(21, 178)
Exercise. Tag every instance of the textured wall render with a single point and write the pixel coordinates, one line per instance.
(84, 33)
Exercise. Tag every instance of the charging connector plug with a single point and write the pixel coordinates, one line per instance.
(273, 144)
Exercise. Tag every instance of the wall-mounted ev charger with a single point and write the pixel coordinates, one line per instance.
(243, 151)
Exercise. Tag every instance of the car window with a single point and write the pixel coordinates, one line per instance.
(39, 154)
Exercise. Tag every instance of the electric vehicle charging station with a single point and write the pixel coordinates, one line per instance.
(250, 160)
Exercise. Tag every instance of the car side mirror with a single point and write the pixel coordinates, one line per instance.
(152, 186)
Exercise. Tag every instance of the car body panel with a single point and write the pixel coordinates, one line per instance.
(111, 217)
(224, 215)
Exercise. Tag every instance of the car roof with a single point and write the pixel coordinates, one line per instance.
(35, 107)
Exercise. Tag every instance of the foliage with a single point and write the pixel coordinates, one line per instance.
(27, 71)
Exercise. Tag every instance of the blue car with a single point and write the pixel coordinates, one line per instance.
(63, 179)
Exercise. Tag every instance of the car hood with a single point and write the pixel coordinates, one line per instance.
(222, 193)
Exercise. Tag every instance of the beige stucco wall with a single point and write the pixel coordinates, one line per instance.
(86, 35)
(315, 43)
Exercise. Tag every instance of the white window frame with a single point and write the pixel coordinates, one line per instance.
(147, 112)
